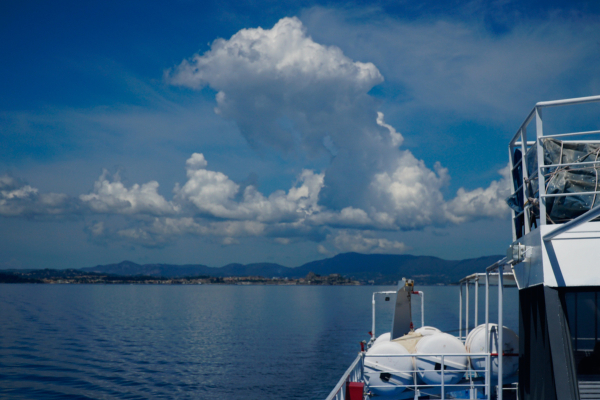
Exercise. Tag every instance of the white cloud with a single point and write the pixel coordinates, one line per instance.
(114, 198)
(457, 65)
(284, 91)
(396, 137)
(214, 194)
(360, 242)
(280, 86)
(19, 199)
(482, 202)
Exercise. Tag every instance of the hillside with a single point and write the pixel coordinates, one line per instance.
(380, 268)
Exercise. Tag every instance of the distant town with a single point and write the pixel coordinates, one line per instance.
(341, 269)
(72, 276)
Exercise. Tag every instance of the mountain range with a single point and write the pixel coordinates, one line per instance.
(380, 268)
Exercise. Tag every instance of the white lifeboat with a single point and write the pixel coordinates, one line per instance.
(475, 343)
(384, 374)
(430, 368)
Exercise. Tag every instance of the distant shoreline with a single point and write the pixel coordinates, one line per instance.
(78, 277)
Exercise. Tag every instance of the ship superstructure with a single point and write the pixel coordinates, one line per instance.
(555, 254)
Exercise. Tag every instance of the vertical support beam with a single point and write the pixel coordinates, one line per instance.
(443, 367)
(540, 158)
(513, 213)
(525, 176)
(422, 309)
(467, 309)
(488, 366)
(476, 300)
(460, 306)
(500, 329)
(373, 337)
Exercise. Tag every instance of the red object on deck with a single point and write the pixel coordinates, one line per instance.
(354, 390)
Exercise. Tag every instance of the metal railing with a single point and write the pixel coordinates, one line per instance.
(472, 380)
(524, 220)
(353, 374)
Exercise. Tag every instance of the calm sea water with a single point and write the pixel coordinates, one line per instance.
(202, 342)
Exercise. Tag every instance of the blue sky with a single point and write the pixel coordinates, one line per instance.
(198, 132)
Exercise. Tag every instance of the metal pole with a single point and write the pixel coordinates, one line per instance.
(500, 328)
(443, 388)
(525, 176)
(373, 328)
(460, 313)
(476, 300)
(422, 309)
(467, 310)
(487, 333)
(540, 159)
(513, 213)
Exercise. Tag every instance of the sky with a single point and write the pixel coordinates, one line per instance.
(273, 131)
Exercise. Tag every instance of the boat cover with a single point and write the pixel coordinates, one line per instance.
(564, 179)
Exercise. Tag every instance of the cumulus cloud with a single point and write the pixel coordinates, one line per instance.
(214, 194)
(278, 84)
(364, 242)
(284, 91)
(114, 198)
(19, 199)
(281, 87)
(482, 202)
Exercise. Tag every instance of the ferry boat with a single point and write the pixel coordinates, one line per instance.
(554, 261)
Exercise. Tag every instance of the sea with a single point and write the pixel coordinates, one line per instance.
(198, 341)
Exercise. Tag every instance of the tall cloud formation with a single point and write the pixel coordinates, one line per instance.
(285, 92)
(282, 89)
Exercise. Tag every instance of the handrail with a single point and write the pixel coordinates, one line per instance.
(469, 380)
(420, 293)
(583, 133)
(566, 102)
(522, 220)
(582, 219)
(338, 391)
(373, 336)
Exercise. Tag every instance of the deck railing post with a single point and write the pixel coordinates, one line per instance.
(373, 337)
(525, 176)
(467, 309)
(500, 329)
(487, 334)
(540, 157)
(476, 300)
(443, 387)
(460, 306)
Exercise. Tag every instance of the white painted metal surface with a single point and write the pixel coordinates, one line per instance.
(570, 259)
(558, 254)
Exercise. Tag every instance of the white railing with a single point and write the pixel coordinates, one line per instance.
(352, 374)
(526, 218)
(472, 380)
